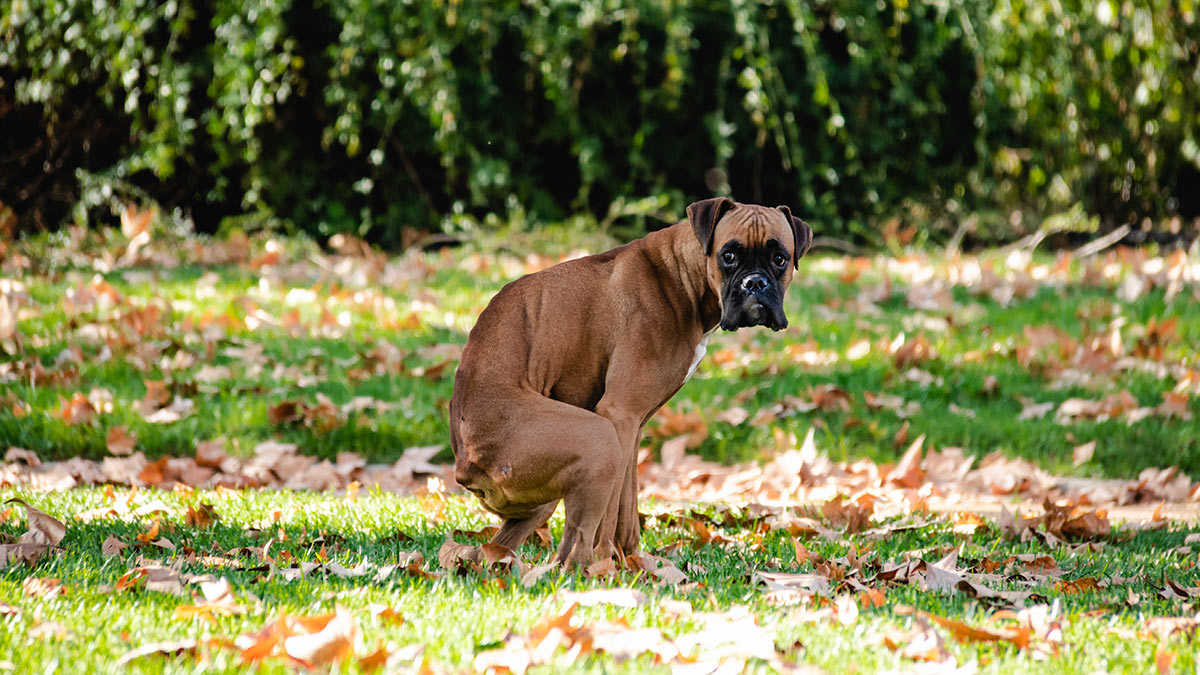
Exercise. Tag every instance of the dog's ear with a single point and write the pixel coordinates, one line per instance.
(704, 215)
(801, 235)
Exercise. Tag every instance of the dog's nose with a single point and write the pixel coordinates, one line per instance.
(754, 283)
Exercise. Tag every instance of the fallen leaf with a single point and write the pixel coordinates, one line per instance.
(42, 586)
(315, 641)
(497, 555)
(217, 599)
(29, 457)
(202, 516)
(603, 567)
(533, 574)
(968, 634)
(168, 648)
(908, 471)
(119, 441)
(112, 546)
(456, 557)
(386, 614)
(44, 530)
(784, 581)
(1163, 660)
(1082, 454)
(659, 568)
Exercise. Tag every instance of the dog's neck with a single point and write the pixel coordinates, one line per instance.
(685, 255)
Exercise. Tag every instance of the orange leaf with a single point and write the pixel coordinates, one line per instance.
(203, 516)
(388, 614)
(119, 441)
(1080, 585)
(375, 659)
(1163, 660)
(967, 633)
(908, 471)
(154, 472)
(151, 534)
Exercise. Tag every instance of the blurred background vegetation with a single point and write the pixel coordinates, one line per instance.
(393, 119)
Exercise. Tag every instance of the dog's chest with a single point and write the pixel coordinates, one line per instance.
(698, 356)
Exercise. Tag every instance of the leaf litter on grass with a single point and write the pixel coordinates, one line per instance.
(798, 489)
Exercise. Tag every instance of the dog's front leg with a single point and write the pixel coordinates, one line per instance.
(614, 535)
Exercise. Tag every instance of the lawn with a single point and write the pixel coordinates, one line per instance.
(96, 609)
(267, 354)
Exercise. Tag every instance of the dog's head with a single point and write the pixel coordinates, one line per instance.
(751, 252)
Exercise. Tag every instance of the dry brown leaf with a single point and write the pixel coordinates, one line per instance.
(119, 441)
(314, 641)
(660, 569)
(169, 648)
(520, 652)
(456, 557)
(285, 412)
(28, 457)
(1082, 454)
(908, 471)
(604, 567)
(829, 398)
(912, 352)
(387, 614)
(149, 535)
(969, 634)
(1175, 404)
(154, 473)
(852, 514)
(784, 581)
(44, 530)
(734, 415)
(1080, 585)
(157, 396)
(1014, 524)
(112, 546)
(672, 452)
(203, 515)
(533, 574)
(497, 555)
(42, 586)
(934, 577)
(217, 600)
(211, 453)
(1075, 522)
(670, 424)
(178, 409)
(76, 410)
(922, 643)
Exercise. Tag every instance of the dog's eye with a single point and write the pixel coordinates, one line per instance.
(729, 257)
(780, 260)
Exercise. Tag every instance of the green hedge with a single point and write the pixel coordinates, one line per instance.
(386, 118)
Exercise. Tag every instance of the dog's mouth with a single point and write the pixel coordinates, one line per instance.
(752, 310)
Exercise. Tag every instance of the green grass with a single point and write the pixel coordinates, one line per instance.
(424, 308)
(437, 307)
(456, 617)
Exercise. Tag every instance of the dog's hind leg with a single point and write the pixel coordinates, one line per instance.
(514, 531)
(523, 456)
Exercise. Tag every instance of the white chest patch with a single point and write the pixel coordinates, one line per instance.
(701, 349)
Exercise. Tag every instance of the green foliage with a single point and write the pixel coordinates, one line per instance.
(1095, 102)
(347, 115)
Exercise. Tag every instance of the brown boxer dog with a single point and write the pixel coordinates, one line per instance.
(565, 366)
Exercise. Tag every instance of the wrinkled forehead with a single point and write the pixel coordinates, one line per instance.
(754, 227)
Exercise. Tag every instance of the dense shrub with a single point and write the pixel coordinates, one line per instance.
(1097, 102)
(377, 117)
